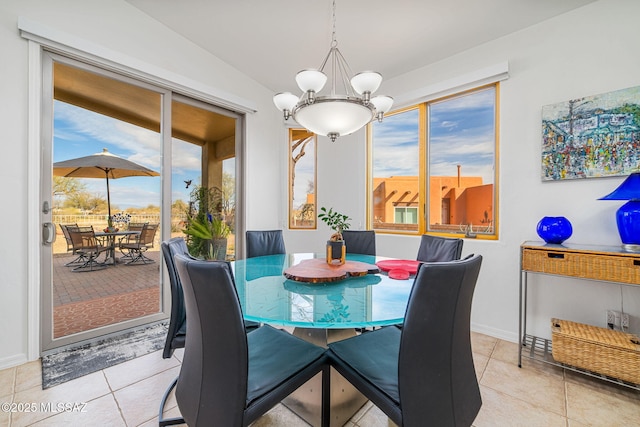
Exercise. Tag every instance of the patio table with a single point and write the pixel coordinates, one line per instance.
(109, 238)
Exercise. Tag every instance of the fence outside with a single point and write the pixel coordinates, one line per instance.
(100, 221)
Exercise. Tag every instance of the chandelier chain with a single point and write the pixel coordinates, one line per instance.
(334, 40)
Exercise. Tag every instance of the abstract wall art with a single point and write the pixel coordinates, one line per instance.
(594, 136)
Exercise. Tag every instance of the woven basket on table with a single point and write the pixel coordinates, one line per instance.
(612, 353)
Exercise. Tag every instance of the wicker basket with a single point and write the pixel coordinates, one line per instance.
(598, 266)
(604, 351)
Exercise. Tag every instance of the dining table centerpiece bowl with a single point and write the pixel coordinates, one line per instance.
(113, 222)
(338, 222)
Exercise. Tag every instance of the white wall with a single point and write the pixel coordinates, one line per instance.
(112, 27)
(585, 52)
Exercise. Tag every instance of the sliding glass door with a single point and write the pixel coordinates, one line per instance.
(115, 281)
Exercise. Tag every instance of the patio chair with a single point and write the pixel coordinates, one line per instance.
(422, 374)
(81, 257)
(85, 243)
(228, 377)
(130, 238)
(135, 248)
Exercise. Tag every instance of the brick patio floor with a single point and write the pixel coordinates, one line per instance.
(90, 299)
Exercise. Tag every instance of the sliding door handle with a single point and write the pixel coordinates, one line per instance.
(48, 233)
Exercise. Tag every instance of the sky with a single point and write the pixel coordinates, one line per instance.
(79, 132)
(458, 135)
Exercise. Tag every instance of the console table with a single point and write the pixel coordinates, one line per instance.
(603, 263)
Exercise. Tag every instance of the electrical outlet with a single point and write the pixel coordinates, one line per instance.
(611, 319)
(624, 321)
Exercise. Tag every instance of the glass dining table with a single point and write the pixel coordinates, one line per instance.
(320, 313)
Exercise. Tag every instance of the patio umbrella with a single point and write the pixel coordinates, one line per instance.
(101, 165)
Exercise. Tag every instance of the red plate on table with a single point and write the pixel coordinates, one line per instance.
(399, 274)
(409, 265)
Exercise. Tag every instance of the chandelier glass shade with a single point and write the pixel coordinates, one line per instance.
(347, 108)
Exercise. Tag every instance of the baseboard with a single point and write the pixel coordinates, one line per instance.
(496, 333)
(12, 361)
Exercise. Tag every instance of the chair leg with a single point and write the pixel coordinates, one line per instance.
(168, 421)
(128, 255)
(81, 259)
(90, 264)
(138, 255)
(325, 417)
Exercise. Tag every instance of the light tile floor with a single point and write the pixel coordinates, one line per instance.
(129, 394)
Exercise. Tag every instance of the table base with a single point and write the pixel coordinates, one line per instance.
(346, 400)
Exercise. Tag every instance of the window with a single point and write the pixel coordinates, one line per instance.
(433, 167)
(302, 179)
(406, 215)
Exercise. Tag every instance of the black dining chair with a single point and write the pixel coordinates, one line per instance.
(177, 331)
(178, 321)
(264, 242)
(360, 241)
(439, 249)
(423, 374)
(228, 377)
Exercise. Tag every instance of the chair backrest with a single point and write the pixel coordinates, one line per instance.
(82, 237)
(136, 226)
(436, 376)
(148, 234)
(360, 241)
(212, 386)
(170, 249)
(67, 237)
(439, 249)
(264, 242)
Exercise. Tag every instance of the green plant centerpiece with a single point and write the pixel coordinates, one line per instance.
(336, 249)
(206, 229)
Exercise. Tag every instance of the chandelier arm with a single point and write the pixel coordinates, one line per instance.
(326, 58)
(346, 67)
(345, 73)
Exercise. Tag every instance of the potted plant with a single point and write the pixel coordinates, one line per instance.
(207, 232)
(211, 235)
(336, 249)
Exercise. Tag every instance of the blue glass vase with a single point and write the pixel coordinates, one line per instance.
(554, 229)
(628, 220)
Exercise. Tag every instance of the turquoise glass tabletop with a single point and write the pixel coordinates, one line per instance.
(266, 295)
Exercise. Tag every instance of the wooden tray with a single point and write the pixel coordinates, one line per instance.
(317, 270)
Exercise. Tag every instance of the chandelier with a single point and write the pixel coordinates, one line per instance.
(338, 113)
